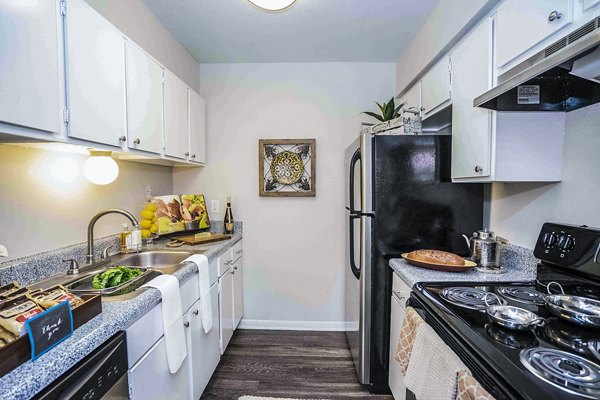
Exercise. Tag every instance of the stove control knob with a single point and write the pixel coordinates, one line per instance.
(565, 243)
(550, 239)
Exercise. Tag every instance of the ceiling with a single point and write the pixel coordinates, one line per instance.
(235, 31)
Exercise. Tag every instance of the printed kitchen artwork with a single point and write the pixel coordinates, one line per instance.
(181, 213)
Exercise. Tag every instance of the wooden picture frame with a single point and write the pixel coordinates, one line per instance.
(287, 167)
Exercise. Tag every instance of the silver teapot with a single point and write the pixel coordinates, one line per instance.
(485, 248)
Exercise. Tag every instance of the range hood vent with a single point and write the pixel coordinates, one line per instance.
(564, 76)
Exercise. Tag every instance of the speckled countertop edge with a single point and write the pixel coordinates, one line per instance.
(31, 377)
(519, 263)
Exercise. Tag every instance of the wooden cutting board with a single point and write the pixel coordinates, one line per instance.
(214, 237)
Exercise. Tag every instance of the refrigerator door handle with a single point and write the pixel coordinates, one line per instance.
(353, 161)
(353, 267)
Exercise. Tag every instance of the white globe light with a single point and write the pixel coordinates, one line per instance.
(100, 168)
(272, 5)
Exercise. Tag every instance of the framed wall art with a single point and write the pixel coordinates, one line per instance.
(287, 167)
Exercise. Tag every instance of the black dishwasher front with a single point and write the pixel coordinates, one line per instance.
(102, 374)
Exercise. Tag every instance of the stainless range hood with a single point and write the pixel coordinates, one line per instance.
(563, 77)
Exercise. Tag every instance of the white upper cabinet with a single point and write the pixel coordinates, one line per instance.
(471, 129)
(177, 142)
(197, 121)
(144, 100)
(30, 71)
(521, 25)
(412, 97)
(95, 76)
(435, 88)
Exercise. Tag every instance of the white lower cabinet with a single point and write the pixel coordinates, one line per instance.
(238, 292)
(204, 351)
(226, 307)
(150, 378)
(400, 294)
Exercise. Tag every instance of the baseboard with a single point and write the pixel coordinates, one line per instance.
(335, 326)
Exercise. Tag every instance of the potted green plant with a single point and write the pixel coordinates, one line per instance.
(389, 111)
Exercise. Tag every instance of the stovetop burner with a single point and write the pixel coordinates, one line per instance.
(470, 298)
(567, 371)
(522, 294)
(512, 339)
(581, 340)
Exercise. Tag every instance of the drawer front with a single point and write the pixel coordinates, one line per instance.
(225, 262)
(190, 292)
(400, 290)
(237, 251)
(143, 333)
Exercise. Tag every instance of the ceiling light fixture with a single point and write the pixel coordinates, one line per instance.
(100, 168)
(272, 5)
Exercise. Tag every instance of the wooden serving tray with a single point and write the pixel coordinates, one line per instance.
(469, 265)
(191, 239)
(19, 351)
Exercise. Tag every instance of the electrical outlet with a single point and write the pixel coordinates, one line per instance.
(214, 206)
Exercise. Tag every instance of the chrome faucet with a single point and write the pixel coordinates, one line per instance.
(89, 258)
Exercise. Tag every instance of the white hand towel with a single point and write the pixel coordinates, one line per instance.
(204, 282)
(172, 319)
(433, 367)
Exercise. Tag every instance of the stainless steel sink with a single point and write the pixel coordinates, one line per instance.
(165, 261)
(154, 263)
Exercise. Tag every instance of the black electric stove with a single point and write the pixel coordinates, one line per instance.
(558, 360)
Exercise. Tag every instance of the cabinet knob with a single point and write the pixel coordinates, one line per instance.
(235, 268)
(195, 312)
(187, 153)
(123, 138)
(186, 324)
(137, 141)
(478, 169)
(232, 272)
(193, 156)
(554, 16)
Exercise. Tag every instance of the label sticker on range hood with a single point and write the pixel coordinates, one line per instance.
(528, 94)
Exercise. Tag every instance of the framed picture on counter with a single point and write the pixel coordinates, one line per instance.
(287, 167)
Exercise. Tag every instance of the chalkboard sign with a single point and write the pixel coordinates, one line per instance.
(49, 328)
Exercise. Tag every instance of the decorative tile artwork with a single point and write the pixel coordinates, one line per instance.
(287, 167)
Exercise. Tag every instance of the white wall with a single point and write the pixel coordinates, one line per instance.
(136, 20)
(519, 210)
(293, 247)
(449, 21)
(40, 213)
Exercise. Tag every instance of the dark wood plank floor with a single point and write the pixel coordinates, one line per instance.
(309, 365)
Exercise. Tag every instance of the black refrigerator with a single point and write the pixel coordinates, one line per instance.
(399, 198)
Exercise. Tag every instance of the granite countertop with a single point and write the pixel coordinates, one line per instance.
(519, 263)
(31, 377)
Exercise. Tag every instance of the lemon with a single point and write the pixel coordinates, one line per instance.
(145, 233)
(147, 214)
(151, 207)
(154, 228)
(145, 224)
(154, 219)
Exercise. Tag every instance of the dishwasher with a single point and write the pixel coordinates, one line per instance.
(100, 375)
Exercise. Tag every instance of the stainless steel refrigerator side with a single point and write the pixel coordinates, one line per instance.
(364, 370)
(366, 186)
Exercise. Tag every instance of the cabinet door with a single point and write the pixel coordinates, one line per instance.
(238, 292)
(412, 98)
(396, 378)
(471, 126)
(197, 127)
(203, 348)
(177, 143)
(226, 308)
(435, 87)
(144, 101)
(96, 76)
(29, 66)
(150, 378)
(520, 25)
